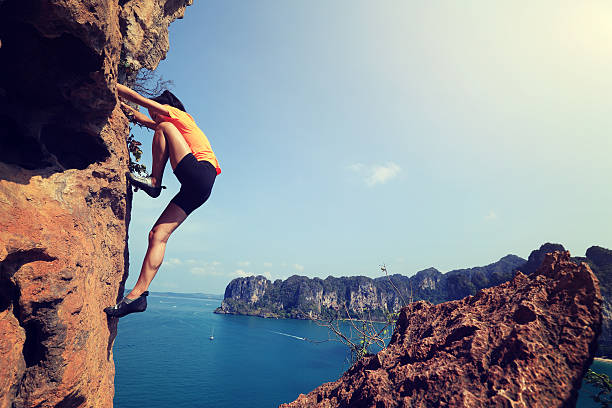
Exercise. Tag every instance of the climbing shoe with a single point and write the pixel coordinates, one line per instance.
(144, 184)
(127, 306)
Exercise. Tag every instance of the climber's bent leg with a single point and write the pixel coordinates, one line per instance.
(176, 145)
(169, 221)
(168, 143)
(160, 157)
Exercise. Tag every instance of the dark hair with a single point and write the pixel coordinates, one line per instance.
(168, 98)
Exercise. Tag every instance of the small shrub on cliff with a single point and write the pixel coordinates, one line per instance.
(604, 386)
(144, 81)
(149, 84)
(135, 156)
(358, 330)
(361, 336)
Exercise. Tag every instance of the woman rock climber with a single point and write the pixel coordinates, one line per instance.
(178, 138)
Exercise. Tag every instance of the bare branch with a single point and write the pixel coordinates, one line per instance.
(384, 269)
(359, 337)
(149, 83)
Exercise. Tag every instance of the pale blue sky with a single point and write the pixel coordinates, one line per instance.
(352, 133)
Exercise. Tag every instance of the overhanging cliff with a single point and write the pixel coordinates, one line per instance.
(64, 201)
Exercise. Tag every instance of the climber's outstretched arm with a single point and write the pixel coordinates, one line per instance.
(138, 116)
(137, 98)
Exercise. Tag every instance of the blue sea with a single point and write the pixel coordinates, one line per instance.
(164, 358)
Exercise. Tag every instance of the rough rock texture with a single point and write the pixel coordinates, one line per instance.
(525, 343)
(248, 289)
(144, 25)
(64, 201)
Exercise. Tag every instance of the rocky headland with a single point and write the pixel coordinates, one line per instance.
(525, 343)
(64, 201)
(301, 297)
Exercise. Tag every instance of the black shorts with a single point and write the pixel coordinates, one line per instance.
(197, 179)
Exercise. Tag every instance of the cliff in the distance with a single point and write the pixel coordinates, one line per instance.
(299, 296)
(600, 261)
(64, 201)
(526, 343)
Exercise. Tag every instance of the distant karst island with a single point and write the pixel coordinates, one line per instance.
(300, 297)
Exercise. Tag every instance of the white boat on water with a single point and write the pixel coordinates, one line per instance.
(212, 337)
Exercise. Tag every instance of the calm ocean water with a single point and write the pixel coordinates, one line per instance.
(164, 358)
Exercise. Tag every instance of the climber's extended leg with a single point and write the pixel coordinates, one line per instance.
(167, 143)
(169, 221)
(136, 300)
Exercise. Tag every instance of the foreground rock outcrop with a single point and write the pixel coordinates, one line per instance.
(525, 343)
(64, 201)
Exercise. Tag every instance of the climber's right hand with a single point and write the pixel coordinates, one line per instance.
(138, 117)
(133, 96)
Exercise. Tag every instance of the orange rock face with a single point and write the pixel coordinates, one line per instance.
(525, 343)
(64, 200)
(63, 258)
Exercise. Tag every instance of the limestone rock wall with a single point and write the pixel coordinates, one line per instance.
(248, 289)
(525, 343)
(300, 296)
(64, 201)
(144, 25)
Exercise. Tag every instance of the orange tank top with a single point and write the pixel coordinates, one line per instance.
(195, 138)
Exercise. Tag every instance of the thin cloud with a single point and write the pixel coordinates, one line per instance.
(268, 264)
(241, 273)
(382, 174)
(299, 267)
(203, 271)
(490, 216)
(206, 269)
(377, 173)
(244, 263)
(356, 167)
(196, 264)
(173, 262)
